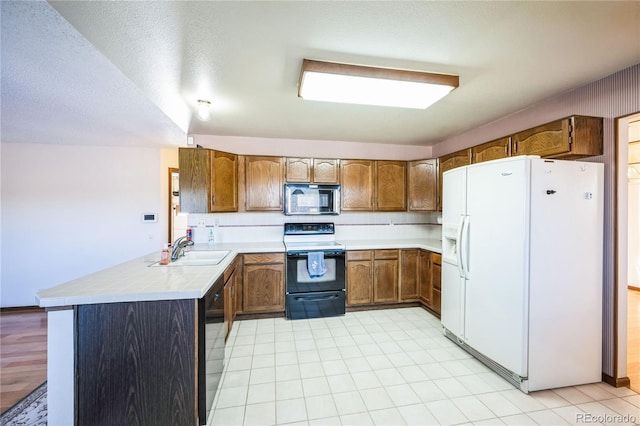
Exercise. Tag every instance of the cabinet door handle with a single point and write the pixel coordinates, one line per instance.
(515, 146)
(506, 149)
(213, 199)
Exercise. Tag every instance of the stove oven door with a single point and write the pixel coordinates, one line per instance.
(299, 281)
(315, 297)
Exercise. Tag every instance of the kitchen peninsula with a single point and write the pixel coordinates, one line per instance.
(154, 310)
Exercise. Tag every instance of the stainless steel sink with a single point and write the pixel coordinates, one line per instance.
(198, 258)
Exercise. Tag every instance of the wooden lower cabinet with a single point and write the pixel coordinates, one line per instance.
(372, 276)
(263, 283)
(385, 276)
(436, 278)
(359, 277)
(231, 281)
(409, 275)
(424, 277)
(136, 363)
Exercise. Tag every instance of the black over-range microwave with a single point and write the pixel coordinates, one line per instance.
(310, 199)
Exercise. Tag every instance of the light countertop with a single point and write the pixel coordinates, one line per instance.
(136, 281)
(373, 244)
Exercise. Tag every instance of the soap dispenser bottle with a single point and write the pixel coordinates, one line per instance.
(165, 255)
(212, 239)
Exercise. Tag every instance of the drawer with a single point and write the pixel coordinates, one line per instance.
(436, 258)
(257, 258)
(387, 254)
(359, 255)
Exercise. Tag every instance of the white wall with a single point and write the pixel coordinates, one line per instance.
(68, 211)
(312, 148)
(268, 226)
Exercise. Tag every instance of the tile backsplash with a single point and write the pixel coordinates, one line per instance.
(268, 226)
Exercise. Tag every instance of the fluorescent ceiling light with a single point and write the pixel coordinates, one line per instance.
(356, 84)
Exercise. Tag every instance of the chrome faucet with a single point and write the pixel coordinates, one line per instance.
(178, 247)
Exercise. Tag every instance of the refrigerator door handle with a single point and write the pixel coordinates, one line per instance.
(459, 246)
(464, 244)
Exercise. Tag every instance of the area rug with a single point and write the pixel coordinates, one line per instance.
(29, 411)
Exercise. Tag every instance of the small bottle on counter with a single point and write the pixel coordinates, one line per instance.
(165, 255)
(189, 234)
(212, 238)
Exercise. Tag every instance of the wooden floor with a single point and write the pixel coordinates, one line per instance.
(23, 354)
(633, 339)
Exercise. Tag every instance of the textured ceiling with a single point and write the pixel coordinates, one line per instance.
(146, 63)
(57, 88)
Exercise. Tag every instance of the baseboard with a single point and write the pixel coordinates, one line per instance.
(258, 315)
(431, 311)
(22, 310)
(358, 308)
(620, 382)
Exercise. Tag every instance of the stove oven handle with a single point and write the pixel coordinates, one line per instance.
(315, 298)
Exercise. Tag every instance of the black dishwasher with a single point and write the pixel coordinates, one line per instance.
(211, 334)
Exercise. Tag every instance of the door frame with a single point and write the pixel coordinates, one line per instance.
(620, 250)
(172, 170)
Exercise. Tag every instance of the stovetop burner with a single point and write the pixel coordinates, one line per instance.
(310, 237)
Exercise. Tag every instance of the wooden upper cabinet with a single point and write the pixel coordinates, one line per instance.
(224, 182)
(499, 148)
(356, 177)
(298, 170)
(448, 162)
(195, 177)
(208, 180)
(391, 186)
(326, 171)
(264, 178)
(422, 191)
(316, 170)
(567, 138)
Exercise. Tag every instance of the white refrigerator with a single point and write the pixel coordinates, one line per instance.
(522, 249)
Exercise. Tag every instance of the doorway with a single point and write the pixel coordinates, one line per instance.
(177, 221)
(633, 252)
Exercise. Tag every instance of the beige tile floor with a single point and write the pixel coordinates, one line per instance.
(386, 367)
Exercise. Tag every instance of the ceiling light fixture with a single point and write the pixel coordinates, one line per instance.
(204, 110)
(357, 84)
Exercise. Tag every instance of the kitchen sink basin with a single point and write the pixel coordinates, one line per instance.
(198, 258)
